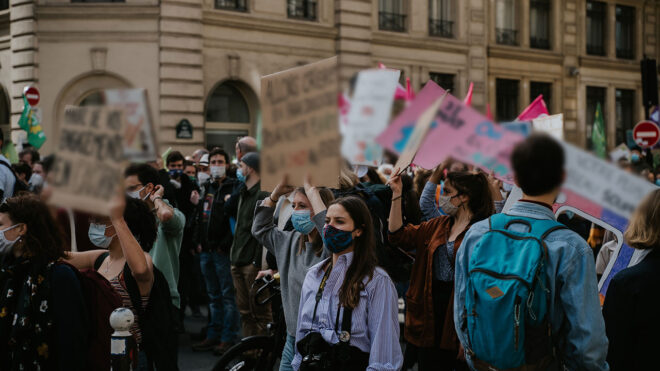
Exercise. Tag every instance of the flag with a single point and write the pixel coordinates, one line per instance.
(534, 110)
(489, 114)
(598, 134)
(30, 123)
(468, 97)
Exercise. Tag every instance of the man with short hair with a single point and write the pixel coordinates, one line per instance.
(574, 309)
(246, 252)
(245, 145)
(29, 156)
(215, 238)
(141, 181)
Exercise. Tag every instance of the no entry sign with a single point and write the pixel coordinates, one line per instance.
(646, 134)
(32, 95)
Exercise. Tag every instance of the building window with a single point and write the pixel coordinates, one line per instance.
(625, 103)
(445, 80)
(302, 9)
(538, 88)
(507, 99)
(441, 18)
(237, 5)
(625, 18)
(596, 19)
(93, 99)
(595, 95)
(227, 104)
(506, 31)
(539, 24)
(392, 15)
(4, 4)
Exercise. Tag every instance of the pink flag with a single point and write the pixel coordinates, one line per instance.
(534, 110)
(468, 98)
(489, 114)
(410, 94)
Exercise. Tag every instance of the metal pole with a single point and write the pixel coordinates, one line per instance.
(123, 349)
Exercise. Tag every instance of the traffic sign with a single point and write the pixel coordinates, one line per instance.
(646, 134)
(32, 95)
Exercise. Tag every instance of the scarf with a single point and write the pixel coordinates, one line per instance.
(25, 318)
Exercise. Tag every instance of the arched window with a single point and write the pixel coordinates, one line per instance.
(230, 114)
(93, 99)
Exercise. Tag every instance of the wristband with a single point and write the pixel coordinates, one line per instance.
(157, 198)
(396, 198)
(271, 199)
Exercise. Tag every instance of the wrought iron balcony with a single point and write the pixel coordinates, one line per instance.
(305, 10)
(392, 21)
(595, 49)
(625, 53)
(440, 27)
(506, 36)
(539, 42)
(236, 5)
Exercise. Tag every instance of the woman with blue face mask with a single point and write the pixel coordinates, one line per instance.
(42, 306)
(119, 252)
(295, 251)
(348, 313)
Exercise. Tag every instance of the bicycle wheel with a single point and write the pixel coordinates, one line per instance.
(252, 353)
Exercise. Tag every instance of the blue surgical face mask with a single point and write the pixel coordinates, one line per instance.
(657, 182)
(336, 240)
(302, 221)
(175, 173)
(96, 234)
(240, 176)
(634, 158)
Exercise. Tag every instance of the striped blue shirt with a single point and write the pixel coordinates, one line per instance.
(375, 323)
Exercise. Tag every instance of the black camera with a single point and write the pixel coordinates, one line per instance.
(315, 352)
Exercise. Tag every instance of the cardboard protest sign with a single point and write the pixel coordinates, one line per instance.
(140, 140)
(417, 137)
(523, 128)
(552, 125)
(300, 134)
(89, 158)
(369, 115)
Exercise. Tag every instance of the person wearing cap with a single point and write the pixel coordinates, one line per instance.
(215, 241)
(246, 251)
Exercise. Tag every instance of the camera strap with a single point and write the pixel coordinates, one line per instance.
(319, 293)
(346, 322)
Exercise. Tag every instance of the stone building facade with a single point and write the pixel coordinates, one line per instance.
(201, 60)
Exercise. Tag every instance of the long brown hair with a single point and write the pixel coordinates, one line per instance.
(364, 253)
(317, 241)
(42, 238)
(476, 187)
(643, 231)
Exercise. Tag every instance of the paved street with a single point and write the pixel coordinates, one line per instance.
(189, 360)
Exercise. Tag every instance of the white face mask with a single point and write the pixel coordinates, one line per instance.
(217, 172)
(447, 207)
(5, 244)
(96, 234)
(203, 177)
(136, 194)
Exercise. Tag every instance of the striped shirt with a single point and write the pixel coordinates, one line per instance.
(120, 287)
(375, 323)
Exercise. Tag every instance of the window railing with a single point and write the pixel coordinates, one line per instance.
(440, 27)
(506, 36)
(392, 21)
(305, 10)
(625, 53)
(539, 42)
(236, 5)
(595, 49)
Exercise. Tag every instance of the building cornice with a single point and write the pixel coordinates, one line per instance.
(526, 54)
(428, 43)
(610, 64)
(97, 11)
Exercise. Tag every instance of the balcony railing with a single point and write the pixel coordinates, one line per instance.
(305, 10)
(392, 21)
(625, 53)
(442, 28)
(506, 36)
(595, 49)
(539, 42)
(236, 5)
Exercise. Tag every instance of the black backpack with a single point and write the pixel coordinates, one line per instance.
(19, 185)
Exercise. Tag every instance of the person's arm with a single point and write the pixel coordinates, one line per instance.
(618, 313)
(138, 261)
(427, 203)
(586, 346)
(265, 231)
(314, 196)
(396, 218)
(383, 326)
(83, 259)
(164, 212)
(70, 319)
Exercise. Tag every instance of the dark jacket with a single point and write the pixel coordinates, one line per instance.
(246, 249)
(214, 228)
(631, 316)
(420, 319)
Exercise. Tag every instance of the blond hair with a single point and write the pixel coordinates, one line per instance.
(643, 232)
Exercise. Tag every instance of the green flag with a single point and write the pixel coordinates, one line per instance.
(598, 134)
(30, 123)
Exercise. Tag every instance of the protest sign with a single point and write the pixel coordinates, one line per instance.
(523, 128)
(88, 166)
(621, 151)
(552, 125)
(417, 137)
(300, 134)
(140, 142)
(371, 105)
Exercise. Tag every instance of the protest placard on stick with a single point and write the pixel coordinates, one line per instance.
(300, 134)
(89, 158)
(553, 125)
(140, 140)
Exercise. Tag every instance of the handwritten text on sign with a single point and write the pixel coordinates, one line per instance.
(89, 161)
(300, 134)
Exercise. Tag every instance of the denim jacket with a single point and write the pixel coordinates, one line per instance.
(572, 279)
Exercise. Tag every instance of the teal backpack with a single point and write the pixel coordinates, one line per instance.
(507, 295)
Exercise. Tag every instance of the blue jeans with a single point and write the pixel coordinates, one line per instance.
(216, 270)
(288, 353)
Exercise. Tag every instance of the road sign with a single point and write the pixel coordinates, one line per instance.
(646, 134)
(32, 95)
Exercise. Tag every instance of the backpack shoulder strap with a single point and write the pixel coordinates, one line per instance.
(99, 260)
(540, 228)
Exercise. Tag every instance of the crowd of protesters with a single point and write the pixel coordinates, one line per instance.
(198, 231)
